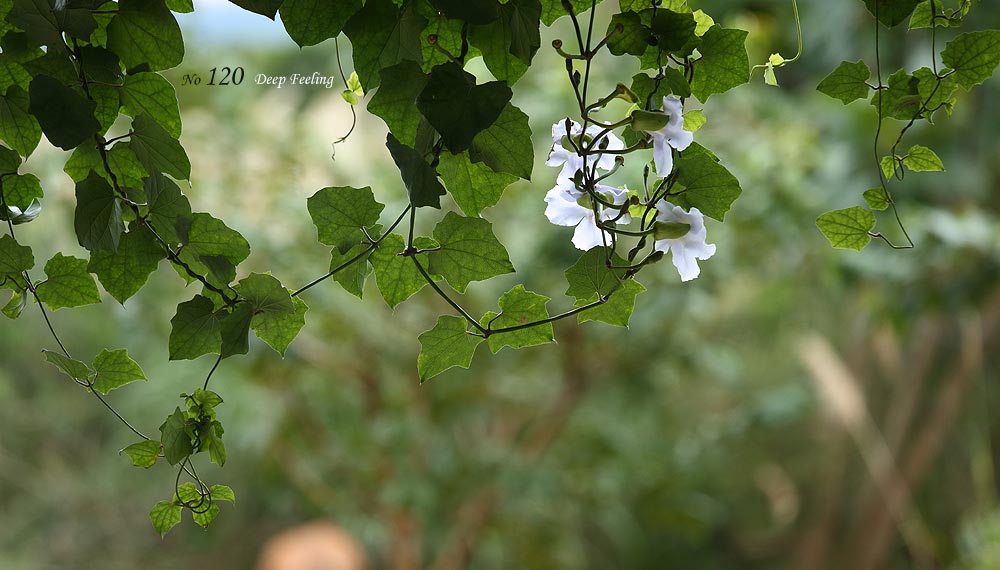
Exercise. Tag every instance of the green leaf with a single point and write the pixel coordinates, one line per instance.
(848, 82)
(448, 36)
(18, 301)
(506, 145)
(98, 216)
(216, 447)
(18, 128)
(469, 251)
(444, 346)
(124, 272)
(263, 7)
(43, 24)
(891, 12)
(589, 278)
(352, 277)
(973, 55)
(100, 64)
(235, 327)
(213, 249)
(143, 454)
(935, 93)
(509, 43)
(457, 107)
(68, 283)
(617, 310)
(169, 210)
(152, 94)
(114, 370)
(420, 180)
(675, 32)
(877, 198)
(145, 32)
(709, 186)
(396, 276)
(901, 100)
(471, 11)
(222, 493)
(694, 120)
(12, 73)
(341, 212)
(195, 330)
(634, 37)
(395, 99)
(279, 330)
(474, 186)
(14, 258)
(9, 160)
(383, 35)
(73, 368)
(309, 22)
(66, 117)
(922, 159)
(181, 6)
(518, 307)
(553, 9)
(704, 23)
(724, 63)
(157, 150)
(165, 515)
(175, 438)
(848, 228)
(889, 165)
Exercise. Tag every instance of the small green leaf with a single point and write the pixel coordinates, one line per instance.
(213, 249)
(143, 454)
(157, 150)
(73, 368)
(65, 116)
(98, 216)
(352, 277)
(175, 438)
(518, 307)
(589, 278)
(165, 515)
(469, 251)
(68, 284)
(18, 128)
(340, 213)
(617, 310)
(309, 22)
(18, 301)
(420, 180)
(169, 210)
(473, 185)
(9, 160)
(145, 32)
(848, 228)
(396, 276)
(902, 99)
(395, 100)
(923, 159)
(124, 272)
(877, 198)
(114, 370)
(889, 165)
(848, 82)
(552, 10)
(152, 94)
(694, 120)
(278, 331)
(634, 37)
(195, 330)
(277, 317)
(222, 493)
(448, 36)
(710, 187)
(14, 257)
(724, 63)
(446, 345)
(506, 145)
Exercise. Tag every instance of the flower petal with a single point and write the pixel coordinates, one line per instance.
(588, 235)
(562, 209)
(663, 157)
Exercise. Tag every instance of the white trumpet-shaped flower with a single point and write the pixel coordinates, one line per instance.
(673, 134)
(568, 206)
(562, 152)
(686, 249)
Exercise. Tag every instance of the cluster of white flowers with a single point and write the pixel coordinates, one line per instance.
(570, 206)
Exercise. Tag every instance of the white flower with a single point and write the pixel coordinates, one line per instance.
(561, 152)
(672, 134)
(689, 248)
(566, 208)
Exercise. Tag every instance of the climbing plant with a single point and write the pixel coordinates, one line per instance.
(70, 68)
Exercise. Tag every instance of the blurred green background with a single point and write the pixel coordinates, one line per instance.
(795, 407)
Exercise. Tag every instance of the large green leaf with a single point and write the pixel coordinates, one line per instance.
(617, 310)
(471, 11)
(309, 22)
(724, 63)
(457, 107)
(165, 515)
(68, 283)
(263, 7)
(157, 150)
(65, 116)
(382, 35)
(14, 257)
(422, 185)
(709, 186)
(848, 82)
(175, 438)
(115, 369)
(195, 330)
(145, 32)
(468, 251)
(169, 210)
(214, 249)
(518, 307)
(20, 190)
(589, 278)
(553, 9)
(73, 368)
(396, 275)
(633, 37)
(143, 454)
(395, 100)
(277, 317)
(447, 36)
(474, 186)
(46, 25)
(125, 271)
(235, 329)
(446, 345)
(506, 145)
(352, 277)
(974, 56)
(847, 228)
(278, 330)
(891, 12)
(341, 214)
(18, 128)
(151, 93)
(98, 217)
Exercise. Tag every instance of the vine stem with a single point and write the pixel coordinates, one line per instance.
(447, 298)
